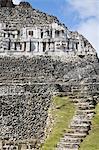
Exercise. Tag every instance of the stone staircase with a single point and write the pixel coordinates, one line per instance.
(80, 123)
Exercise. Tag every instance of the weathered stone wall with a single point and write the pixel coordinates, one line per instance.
(20, 16)
(23, 112)
(27, 85)
(45, 68)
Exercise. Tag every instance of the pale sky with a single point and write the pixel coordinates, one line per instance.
(77, 15)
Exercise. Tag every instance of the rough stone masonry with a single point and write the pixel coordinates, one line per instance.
(28, 82)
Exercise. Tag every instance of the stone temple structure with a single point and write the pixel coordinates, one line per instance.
(40, 58)
(20, 34)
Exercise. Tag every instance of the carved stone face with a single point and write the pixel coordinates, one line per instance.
(6, 3)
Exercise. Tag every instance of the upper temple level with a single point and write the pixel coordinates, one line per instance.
(42, 39)
(26, 30)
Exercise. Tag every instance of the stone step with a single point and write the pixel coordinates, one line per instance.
(88, 115)
(85, 111)
(71, 145)
(71, 140)
(85, 100)
(85, 107)
(80, 123)
(83, 117)
(73, 124)
(84, 104)
(76, 96)
(79, 126)
(77, 100)
(80, 129)
(62, 148)
(67, 149)
(78, 119)
(75, 135)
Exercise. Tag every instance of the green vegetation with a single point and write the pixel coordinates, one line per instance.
(92, 140)
(62, 113)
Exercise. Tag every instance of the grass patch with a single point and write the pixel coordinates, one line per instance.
(62, 113)
(91, 142)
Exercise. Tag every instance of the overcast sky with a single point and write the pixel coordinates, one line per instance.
(79, 15)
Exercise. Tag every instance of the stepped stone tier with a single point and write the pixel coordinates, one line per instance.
(40, 58)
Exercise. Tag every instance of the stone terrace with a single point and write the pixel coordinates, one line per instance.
(26, 88)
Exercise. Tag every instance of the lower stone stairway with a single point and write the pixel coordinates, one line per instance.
(80, 123)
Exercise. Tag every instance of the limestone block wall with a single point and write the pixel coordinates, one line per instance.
(23, 115)
(20, 16)
(27, 85)
(45, 68)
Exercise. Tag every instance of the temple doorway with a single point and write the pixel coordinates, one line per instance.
(44, 46)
